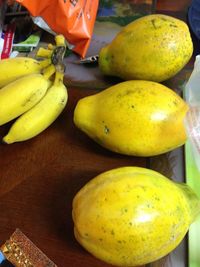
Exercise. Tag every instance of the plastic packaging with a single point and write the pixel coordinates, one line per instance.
(2, 15)
(192, 121)
(6, 33)
(72, 18)
(7, 37)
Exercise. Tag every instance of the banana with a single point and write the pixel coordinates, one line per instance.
(60, 40)
(19, 96)
(45, 53)
(42, 115)
(50, 46)
(14, 68)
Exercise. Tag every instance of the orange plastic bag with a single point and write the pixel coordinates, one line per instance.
(72, 18)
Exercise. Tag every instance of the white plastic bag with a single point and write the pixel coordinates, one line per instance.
(192, 121)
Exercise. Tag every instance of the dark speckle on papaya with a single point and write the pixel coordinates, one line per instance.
(127, 59)
(153, 93)
(103, 229)
(143, 187)
(153, 23)
(129, 92)
(173, 25)
(126, 93)
(172, 237)
(164, 19)
(107, 58)
(106, 129)
(62, 101)
(175, 103)
(119, 95)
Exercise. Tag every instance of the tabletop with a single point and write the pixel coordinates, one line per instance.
(40, 177)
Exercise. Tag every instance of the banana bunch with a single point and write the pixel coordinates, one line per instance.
(39, 117)
(32, 92)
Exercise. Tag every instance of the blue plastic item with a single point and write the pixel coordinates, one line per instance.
(194, 17)
(2, 257)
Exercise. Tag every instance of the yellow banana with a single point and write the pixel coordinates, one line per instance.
(14, 68)
(51, 46)
(21, 95)
(60, 40)
(41, 115)
(43, 52)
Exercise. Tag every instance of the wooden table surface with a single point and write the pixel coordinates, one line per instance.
(39, 178)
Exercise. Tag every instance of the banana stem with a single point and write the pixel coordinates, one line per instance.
(58, 77)
(58, 55)
(59, 51)
(43, 52)
(49, 71)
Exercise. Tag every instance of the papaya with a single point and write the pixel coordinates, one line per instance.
(136, 118)
(131, 216)
(154, 47)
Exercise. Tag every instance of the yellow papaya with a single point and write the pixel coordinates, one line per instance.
(139, 118)
(154, 47)
(132, 216)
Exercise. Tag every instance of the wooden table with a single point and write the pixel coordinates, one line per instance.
(39, 178)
